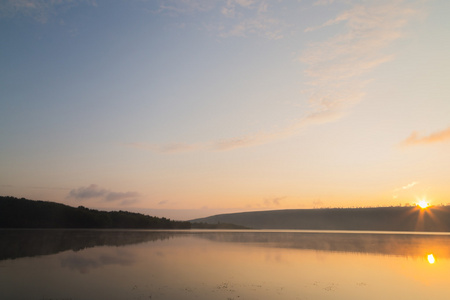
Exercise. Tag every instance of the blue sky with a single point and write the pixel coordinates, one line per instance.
(189, 108)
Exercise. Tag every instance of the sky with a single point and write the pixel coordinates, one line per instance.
(191, 108)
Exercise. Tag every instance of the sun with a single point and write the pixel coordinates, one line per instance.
(423, 204)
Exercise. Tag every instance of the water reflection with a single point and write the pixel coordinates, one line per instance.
(29, 243)
(431, 258)
(398, 244)
(223, 265)
(84, 264)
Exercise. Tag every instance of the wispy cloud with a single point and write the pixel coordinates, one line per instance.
(408, 186)
(323, 2)
(236, 18)
(40, 10)
(129, 202)
(337, 68)
(176, 7)
(244, 141)
(435, 137)
(260, 25)
(168, 148)
(317, 203)
(91, 191)
(336, 65)
(273, 201)
(114, 196)
(250, 17)
(405, 187)
(94, 191)
(229, 9)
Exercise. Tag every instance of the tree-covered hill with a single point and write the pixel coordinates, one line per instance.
(23, 213)
(372, 219)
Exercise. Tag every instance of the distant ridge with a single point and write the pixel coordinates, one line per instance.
(431, 219)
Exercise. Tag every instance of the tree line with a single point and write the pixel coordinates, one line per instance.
(24, 213)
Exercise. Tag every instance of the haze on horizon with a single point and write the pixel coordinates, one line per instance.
(191, 108)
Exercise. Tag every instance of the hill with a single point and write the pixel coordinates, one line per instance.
(24, 213)
(432, 219)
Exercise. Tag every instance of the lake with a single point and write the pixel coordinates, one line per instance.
(142, 264)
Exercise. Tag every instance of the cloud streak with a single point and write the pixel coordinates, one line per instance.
(405, 187)
(40, 10)
(433, 138)
(94, 191)
(91, 191)
(176, 8)
(236, 18)
(273, 201)
(336, 68)
(259, 23)
(168, 148)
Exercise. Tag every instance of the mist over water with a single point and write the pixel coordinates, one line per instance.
(139, 264)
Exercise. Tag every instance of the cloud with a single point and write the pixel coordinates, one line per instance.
(129, 202)
(323, 2)
(229, 10)
(273, 201)
(94, 191)
(245, 17)
(114, 196)
(245, 3)
(260, 25)
(405, 187)
(317, 203)
(336, 65)
(337, 68)
(176, 8)
(168, 148)
(435, 137)
(408, 186)
(40, 10)
(237, 18)
(245, 141)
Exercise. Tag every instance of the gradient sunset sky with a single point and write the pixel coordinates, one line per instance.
(191, 108)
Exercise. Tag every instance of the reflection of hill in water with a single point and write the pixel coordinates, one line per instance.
(23, 243)
(411, 245)
(27, 243)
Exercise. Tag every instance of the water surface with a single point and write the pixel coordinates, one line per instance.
(138, 264)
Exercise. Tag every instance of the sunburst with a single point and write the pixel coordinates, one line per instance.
(423, 204)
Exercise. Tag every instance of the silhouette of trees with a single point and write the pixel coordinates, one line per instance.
(23, 213)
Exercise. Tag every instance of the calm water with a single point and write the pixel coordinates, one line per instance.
(95, 264)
